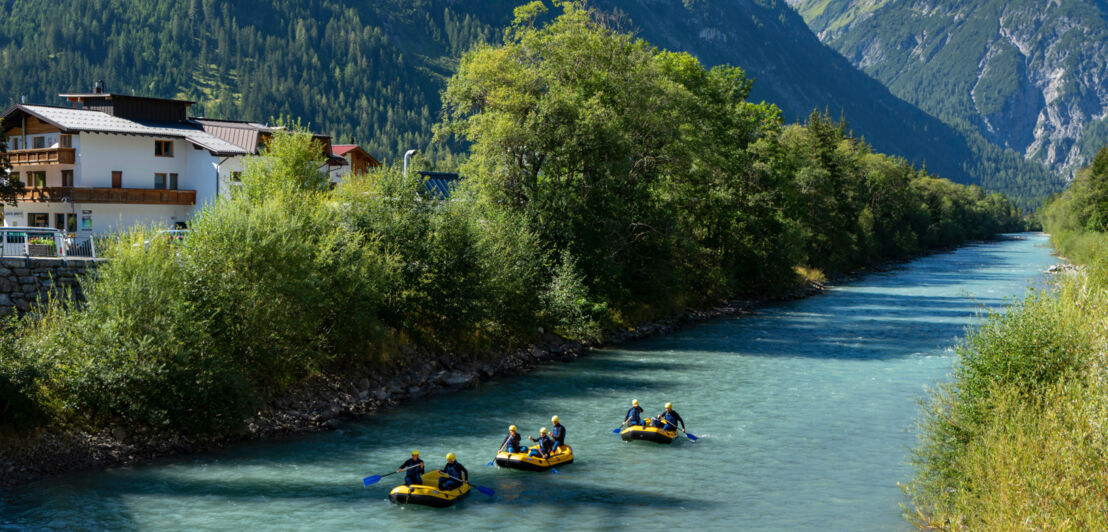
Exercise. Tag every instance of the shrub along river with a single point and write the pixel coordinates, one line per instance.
(805, 413)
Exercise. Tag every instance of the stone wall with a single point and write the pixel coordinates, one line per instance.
(24, 280)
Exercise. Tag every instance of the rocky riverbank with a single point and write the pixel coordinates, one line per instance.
(328, 401)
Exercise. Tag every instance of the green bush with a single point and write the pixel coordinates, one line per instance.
(567, 302)
(138, 352)
(19, 381)
(465, 276)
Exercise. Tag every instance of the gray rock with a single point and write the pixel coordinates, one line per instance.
(457, 379)
(381, 394)
(119, 433)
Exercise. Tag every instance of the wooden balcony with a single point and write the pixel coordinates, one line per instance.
(131, 196)
(42, 156)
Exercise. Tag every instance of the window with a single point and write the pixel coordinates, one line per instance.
(67, 178)
(38, 219)
(159, 181)
(65, 141)
(39, 142)
(15, 143)
(36, 179)
(172, 181)
(236, 177)
(15, 176)
(65, 222)
(163, 148)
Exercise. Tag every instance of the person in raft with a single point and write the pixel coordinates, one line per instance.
(453, 469)
(669, 419)
(557, 433)
(511, 441)
(413, 470)
(546, 445)
(634, 416)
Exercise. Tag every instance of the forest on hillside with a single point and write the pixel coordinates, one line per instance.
(372, 72)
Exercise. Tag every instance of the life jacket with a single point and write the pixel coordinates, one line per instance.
(414, 471)
(559, 433)
(455, 470)
(633, 414)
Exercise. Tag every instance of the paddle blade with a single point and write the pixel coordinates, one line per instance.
(371, 480)
(489, 464)
(555, 471)
(484, 490)
(692, 436)
(615, 430)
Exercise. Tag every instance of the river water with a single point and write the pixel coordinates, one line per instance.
(805, 413)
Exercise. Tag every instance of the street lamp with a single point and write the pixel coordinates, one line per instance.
(407, 155)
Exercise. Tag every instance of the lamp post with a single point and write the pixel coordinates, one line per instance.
(407, 155)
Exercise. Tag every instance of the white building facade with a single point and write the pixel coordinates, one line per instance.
(111, 162)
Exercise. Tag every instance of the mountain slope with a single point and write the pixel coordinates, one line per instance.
(373, 70)
(1028, 75)
(792, 69)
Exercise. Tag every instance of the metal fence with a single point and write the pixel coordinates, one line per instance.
(43, 242)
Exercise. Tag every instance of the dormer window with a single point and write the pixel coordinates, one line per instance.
(163, 148)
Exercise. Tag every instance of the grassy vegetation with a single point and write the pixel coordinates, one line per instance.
(1018, 440)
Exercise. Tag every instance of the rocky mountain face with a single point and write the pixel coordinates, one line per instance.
(1030, 75)
(794, 70)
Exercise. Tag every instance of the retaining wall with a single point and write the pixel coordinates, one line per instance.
(24, 280)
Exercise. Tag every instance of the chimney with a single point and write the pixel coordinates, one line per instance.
(98, 88)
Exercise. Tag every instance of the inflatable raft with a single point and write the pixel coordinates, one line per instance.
(428, 493)
(654, 434)
(524, 461)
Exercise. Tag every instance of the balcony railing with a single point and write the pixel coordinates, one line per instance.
(42, 156)
(133, 196)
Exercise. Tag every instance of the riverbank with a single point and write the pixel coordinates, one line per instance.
(326, 402)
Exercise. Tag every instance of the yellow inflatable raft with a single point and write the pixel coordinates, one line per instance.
(428, 493)
(562, 455)
(654, 434)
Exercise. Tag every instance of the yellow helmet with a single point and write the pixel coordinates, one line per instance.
(450, 456)
(542, 430)
(415, 453)
(554, 419)
(512, 428)
(669, 405)
(634, 402)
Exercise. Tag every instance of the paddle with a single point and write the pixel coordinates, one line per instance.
(482, 489)
(692, 437)
(377, 478)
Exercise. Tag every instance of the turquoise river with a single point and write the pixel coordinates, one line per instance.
(805, 410)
